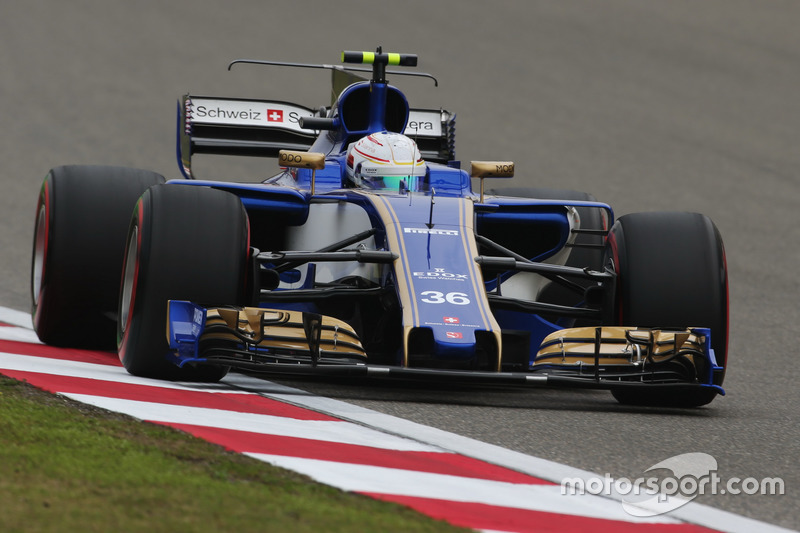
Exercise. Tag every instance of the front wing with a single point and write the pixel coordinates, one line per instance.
(280, 341)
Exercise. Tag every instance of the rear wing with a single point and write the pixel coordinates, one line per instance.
(232, 126)
(261, 128)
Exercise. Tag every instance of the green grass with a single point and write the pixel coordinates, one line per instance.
(65, 466)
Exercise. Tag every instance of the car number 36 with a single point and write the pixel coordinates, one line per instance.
(436, 297)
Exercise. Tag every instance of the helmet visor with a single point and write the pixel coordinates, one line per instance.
(386, 183)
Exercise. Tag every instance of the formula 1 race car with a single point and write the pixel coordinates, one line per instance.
(370, 253)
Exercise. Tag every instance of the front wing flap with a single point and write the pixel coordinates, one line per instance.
(627, 355)
(249, 336)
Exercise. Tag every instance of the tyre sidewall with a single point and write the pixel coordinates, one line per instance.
(192, 245)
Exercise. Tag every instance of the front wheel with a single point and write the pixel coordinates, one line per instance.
(184, 243)
(671, 272)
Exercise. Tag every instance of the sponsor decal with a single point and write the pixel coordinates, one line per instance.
(202, 111)
(289, 157)
(244, 113)
(419, 126)
(439, 274)
(467, 326)
(424, 123)
(451, 320)
(431, 231)
(454, 335)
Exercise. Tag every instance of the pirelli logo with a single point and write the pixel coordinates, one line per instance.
(431, 231)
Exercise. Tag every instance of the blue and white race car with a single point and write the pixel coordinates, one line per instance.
(373, 252)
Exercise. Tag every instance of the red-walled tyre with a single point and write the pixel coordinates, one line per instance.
(82, 218)
(671, 273)
(184, 243)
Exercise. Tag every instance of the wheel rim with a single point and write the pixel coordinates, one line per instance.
(129, 279)
(39, 253)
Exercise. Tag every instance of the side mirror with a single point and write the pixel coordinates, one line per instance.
(313, 160)
(491, 169)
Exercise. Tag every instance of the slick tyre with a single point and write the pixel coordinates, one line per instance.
(671, 272)
(82, 218)
(184, 243)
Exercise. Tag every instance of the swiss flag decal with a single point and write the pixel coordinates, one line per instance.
(274, 115)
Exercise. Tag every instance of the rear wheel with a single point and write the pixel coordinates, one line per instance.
(671, 272)
(81, 221)
(184, 243)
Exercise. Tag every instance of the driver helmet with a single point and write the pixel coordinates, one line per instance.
(382, 161)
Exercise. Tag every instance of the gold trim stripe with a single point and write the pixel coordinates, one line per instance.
(402, 269)
(466, 212)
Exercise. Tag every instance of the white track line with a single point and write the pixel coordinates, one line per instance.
(19, 334)
(16, 318)
(321, 430)
(77, 369)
